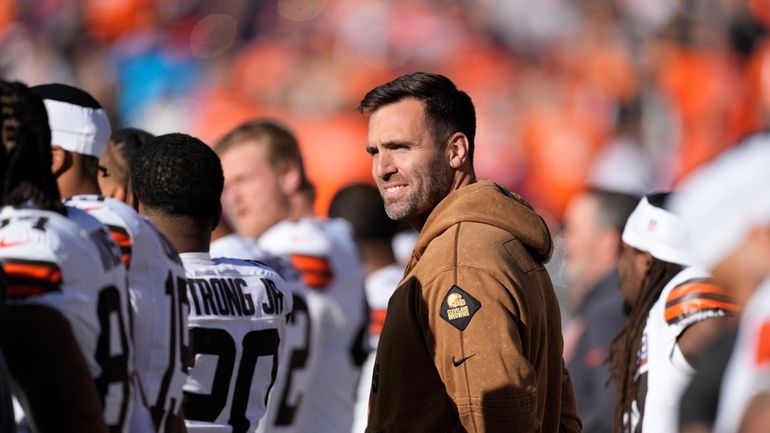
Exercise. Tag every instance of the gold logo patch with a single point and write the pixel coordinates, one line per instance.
(459, 307)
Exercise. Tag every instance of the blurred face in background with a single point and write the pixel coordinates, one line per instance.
(580, 238)
(254, 198)
(591, 247)
(410, 168)
(632, 267)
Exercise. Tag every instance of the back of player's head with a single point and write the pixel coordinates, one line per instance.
(179, 176)
(121, 149)
(26, 150)
(277, 141)
(362, 206)
(447, 109)
(78, 122)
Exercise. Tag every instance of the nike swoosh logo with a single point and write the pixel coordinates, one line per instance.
(458, 362)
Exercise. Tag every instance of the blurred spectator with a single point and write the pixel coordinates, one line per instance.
(625, 164)
(594, 222)
(550, 89)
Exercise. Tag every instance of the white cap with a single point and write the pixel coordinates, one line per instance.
(77, 121)
(658, 232)
(722, 201)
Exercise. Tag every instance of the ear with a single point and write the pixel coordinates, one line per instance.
(457, 149)
(61, 160)
(289, 178)
(140, 207)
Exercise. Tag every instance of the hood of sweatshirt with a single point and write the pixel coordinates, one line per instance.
(486, 202)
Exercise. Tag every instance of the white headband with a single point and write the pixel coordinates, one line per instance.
(722, 201)
(78, 129)
(658, 232)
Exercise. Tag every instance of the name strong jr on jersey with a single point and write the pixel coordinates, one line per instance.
(238, 315)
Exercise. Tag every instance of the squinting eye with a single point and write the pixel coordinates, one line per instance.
(103, 171)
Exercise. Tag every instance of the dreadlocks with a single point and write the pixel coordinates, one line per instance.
(625, 346)
(26, 161)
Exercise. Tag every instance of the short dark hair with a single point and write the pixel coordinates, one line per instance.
(447, 109)
(25, 156)
(362, 206)
(66, 93)
(178, 175)
(90, 165)
(122, 147)
(614, 207)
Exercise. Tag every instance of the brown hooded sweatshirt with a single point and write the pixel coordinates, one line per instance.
(472, 340)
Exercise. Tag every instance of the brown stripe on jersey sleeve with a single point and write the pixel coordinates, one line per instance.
(31, 277)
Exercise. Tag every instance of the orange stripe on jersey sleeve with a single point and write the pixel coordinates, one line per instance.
(31, 277)
(692, 298)
(376, 322)
(762, 355)
(316, 271)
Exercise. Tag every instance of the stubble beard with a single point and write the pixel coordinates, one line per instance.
(434, 186)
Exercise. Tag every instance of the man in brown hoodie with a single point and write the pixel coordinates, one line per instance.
(472, 340)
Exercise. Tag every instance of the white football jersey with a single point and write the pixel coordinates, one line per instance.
(380, 285)
(688, 298)
(748, 372)
(299, 357)
(73, 265)
(238, 314)
(326, 255)
(156, 282)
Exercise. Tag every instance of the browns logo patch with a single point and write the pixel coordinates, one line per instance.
(458, 307)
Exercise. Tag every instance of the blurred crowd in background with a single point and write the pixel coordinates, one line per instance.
(631, 94)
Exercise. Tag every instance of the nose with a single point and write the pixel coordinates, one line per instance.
(383, 165)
